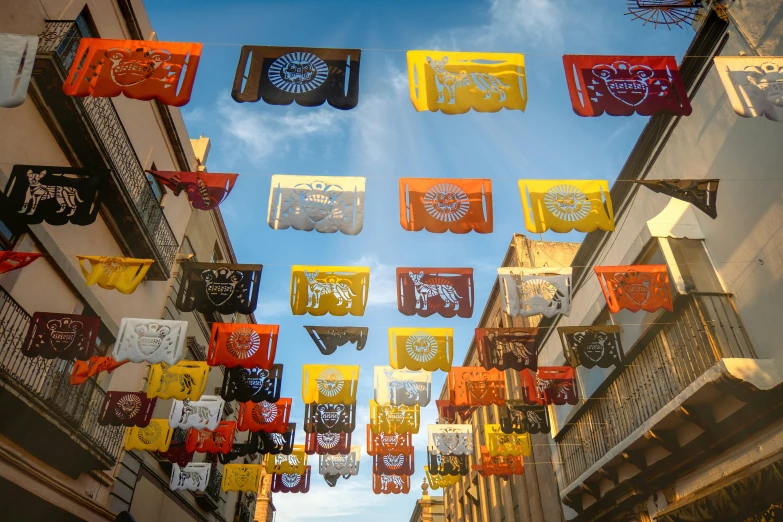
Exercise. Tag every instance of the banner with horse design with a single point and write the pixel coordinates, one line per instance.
(402, 387)
(141, 70)
(563, 205)
(752, 84)
(383, 443)
(622, 85)
(10, 260)
(219, 440)
(591, 346)
(330, 418)
(455, 82)
(336, 290)
(205, 190)
(126, 409)
(150, 340)
(252, 384)
(429, 349)
(499, 465)
(155, 436)
(511, 444)
(446, 204)
(293, 463)
(329, 384)
(291, 482)
(277, 443)
(63, 336)
(123, 274)
(391, 484)
(507, 348)
(427, 291)
(635, 287)
(269, 417)
(192, 477)
(449, 465)
(394, 419)
(17, 56)
(549, 385)
(701, 193)
(184, 380)
(519, 417)
(204, 413)
(532, 291)
(328, 443)
(241, 477)
(450, 439)
(243, 345)
(219, 287)
(329, 338)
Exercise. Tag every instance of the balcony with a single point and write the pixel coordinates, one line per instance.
(680, 398)
(210, 498)
(91, 133)
(42, 412)
(247, 509)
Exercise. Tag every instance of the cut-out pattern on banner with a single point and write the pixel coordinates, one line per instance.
(336, 290)
(622, 85)
(701, 193)
(549, 385)
(402, 387)
(277, 443)
(241, 477)
(205, 190)
(450, 439)
(321, 203)
(243, 345)
(252, 384)
(62, 336)
(177, 452)
(563, 205)
(754, 84)
(500, 465)
(519, 417)
(385, 443)
(293, 463)
(10, 260)
(393, 464)
(391, 484)
(394, 419)
(439, 481)
(240, 450)
(455, 82)
(501, 443)
(269, 417)
(474, 386)
(447, 412)
(83, 370)
(429, 349)
(324, 383)
(308, 76)
(427, 291)
(533, 291)
(155, 436)
(291, 482)
(329, 338)
(447, 465)
(126, 409)
(150, 340)
(328, 443)
(330, 418)
(204, 413)
(57, 195)
(219, 440)
(17, 55)
(219, 287)
(141, 70)
(184, 380)
(591, 346)
(123, 274)
(193, 477)
(341, 465)
(635, 287)
(440, 204)
(507, 348)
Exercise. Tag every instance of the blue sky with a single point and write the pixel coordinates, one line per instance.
(383, 139)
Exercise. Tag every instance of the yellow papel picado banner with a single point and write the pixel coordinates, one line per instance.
(184, 380)
(241, 477)
(563, 205)
(329, 384)
(509, 444)
(123, 274)
(336, 290)
(429, 349)
(295, 463)
(155, 436)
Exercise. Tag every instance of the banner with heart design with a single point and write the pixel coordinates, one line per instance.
(624, 85)
(293, 463)
(592, 346)
(549, 385)
(429, 349)
(519, 417)
(563, 205)
(123, 274)
(450, 439)
(155, 436)
(330, 418)
(393, 464)
(150, 340)
(499, 465)
(383, 443)
(10, 260)
(243, 345)
(427, 291)
(500, 443)
(327, 443)
(16, 67)
(439, 205)
(184, 380)
(291, 482)
(269, 417)
(391, 484)
(402, 387)
(241, 477)
(62, 336)
(205, 190)
(252, 384)
(329, 338)
(219, 440)
(335, 290)
(701, 193)
(474, 386)
(532, 291)
(126, 409)
(507, 348)
(394, 419)
(329, 384)
(218, 287)
(447, 465)
(635, 287)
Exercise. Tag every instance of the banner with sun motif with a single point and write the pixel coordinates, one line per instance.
(391, 464)
(549, 385)
(394, 419)
(336, 290)
(141, 70)
(455, 82)
(10, 260)
(622, 85)
(184, 380)
(564, 205)
(450, 439)
(701, 193)
(752, 84)
(532, 291)
(427, 291)
(591, 346)
(63, 336)
(635, 287)
(325, 383)
(402, 387)
(16, 67)
(205, 190)
(429, 349)
(507, 348)
(391, 484)
(150, 340)
(123, 274)
(219, 287)
(501, 443)
(155, 436)
(329, 338)
(126, 409)
(439, 205)
(269, 417)
(474, 386)
(499, 465)
(252, 384)
(519, 417)
(243, 345)
(241, 477)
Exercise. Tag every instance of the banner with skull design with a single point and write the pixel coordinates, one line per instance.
(622, 85)
(276, 443)
(330, 418)
(394, 419)
(635, 287)
(329, 338)
(204, 413)
(427, 291)
(252, 384)
(384, 443)
(474, 386)
(450, 439)
(752, 84)
(507, 348)
(532, 291)
(184, 380)
(439, 205)
(563, 205)
(150, 340)
(549, 385)
(344, 465)
(393, 464)
(219, 287)
(328, 443)
(62, 336)
(456, 82)
(512, 444)
(701, 193)
(138, 69)
(402, 387)
(429, 349)
(56, 195)
(322, 203)
(123, 274)
(10, 260)
(192, 477)
(205, 190)
(329, 384)
(499, 465)
(269, 417)
(241, 477)
(243, 345)
(391, 484)
(83, 370)
(155, 436)
(17, 55)
(591, 346)
(336, 290)
(447, 465)
(126, 409)
(306, 75)
(219, 440)
(293, 463)
(519, 417)
(439, 481)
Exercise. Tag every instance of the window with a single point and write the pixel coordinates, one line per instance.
(694, 265)
(216, 254)
(157, 188)
(7, 238)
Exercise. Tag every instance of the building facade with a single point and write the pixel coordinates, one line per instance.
(428, 508)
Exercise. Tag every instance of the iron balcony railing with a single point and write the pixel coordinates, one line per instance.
(213, 490)
(46, 383)
(62, 38)
(704, 328)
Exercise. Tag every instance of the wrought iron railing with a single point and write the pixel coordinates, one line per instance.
(247, 509)
(213, 488)
(62, 38)
(704, 328)
(46, 383)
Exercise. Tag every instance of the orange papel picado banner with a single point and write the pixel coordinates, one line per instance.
(635, 287)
